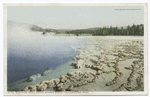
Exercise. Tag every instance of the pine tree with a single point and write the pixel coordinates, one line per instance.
(128, 30)
(121, 31)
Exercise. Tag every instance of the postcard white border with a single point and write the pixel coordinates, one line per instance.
(145, 92)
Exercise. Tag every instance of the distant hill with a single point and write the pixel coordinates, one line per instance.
(49, 30)
(62, 31)
(93, 29)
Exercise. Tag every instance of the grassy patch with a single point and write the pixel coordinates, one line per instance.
(113, 40)
(73, 35)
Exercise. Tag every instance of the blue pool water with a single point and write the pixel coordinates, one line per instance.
(32, 57)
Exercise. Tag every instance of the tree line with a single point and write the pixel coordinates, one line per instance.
(134, 30)
(79, 32)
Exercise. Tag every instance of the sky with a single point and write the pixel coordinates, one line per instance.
(76, 17)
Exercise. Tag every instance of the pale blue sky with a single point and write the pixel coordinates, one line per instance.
(76, 17)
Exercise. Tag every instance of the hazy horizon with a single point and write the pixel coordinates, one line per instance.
(76, 17)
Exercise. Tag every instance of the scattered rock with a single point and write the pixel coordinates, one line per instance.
(32, 78)
(41, 87)
(46, 72)
(70, 74)
(69, 88)
(99, 72)
(56, 81)
(63, 80)
(97, 67)
(74, 64)
(60, 88)
(38, 75)
(94, 61)
(50, 84)
(79, 64)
